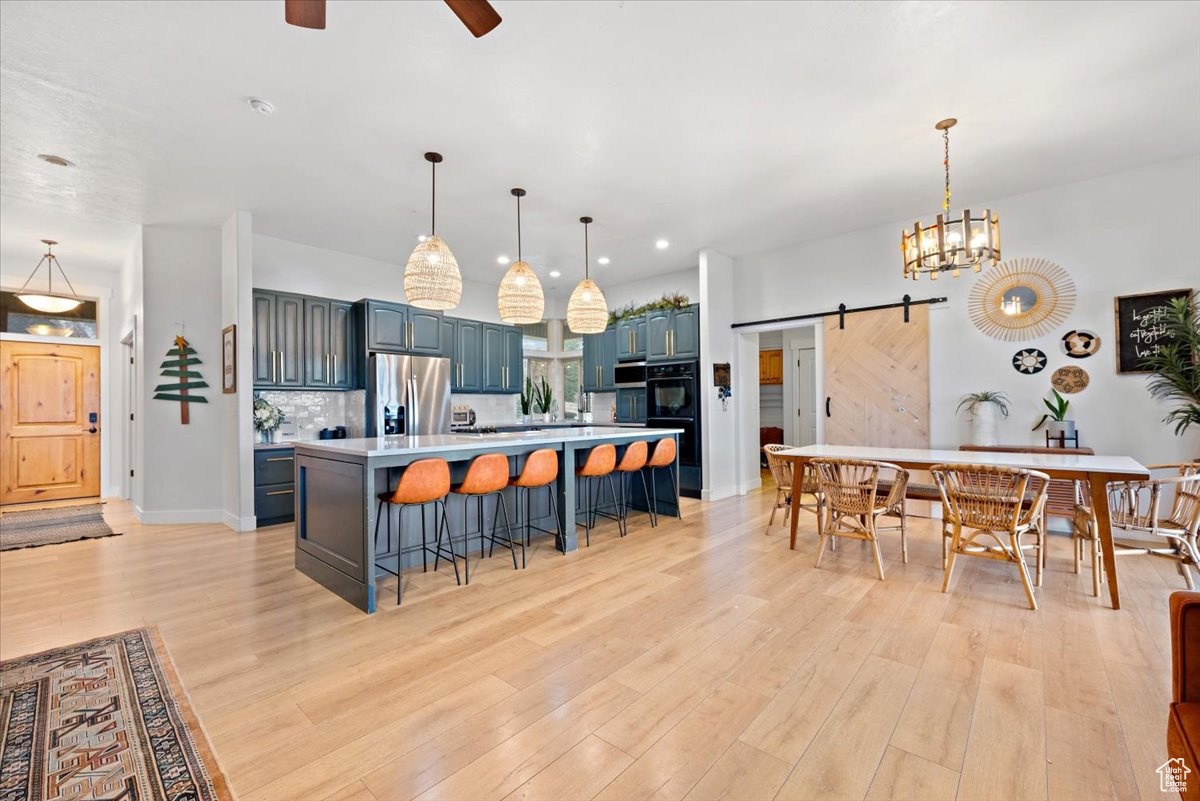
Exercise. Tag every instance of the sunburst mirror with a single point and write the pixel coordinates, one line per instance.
(1021, 299)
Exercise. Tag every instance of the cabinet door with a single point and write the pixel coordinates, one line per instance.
(493, 358)
(341, 345)
(658, 327)
(289, 338)
(514, 348)
(424, 332)
(593, 344)
(449, 348)
(608, 377)
(639, 338)
(387, 326)
(318, 362)
(685, 337)
(266, 367)
(468, 346)
(639, 406)
(626, 409)
(626, 346)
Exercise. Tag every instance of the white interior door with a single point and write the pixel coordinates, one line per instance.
(804, 390)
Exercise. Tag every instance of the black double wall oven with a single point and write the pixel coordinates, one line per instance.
(673, 401)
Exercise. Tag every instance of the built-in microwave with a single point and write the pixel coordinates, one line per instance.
(630, 375)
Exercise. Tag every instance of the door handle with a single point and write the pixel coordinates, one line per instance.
(274, 378)
(92, 430)
(827, 414)
(282, 372)
(335, 368)
(328, 370)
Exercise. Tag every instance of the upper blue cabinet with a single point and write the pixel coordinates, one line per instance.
(673, 334)
(399, 328)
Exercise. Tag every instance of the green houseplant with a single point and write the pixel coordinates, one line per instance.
(983, 406)
(543, 397)
(1059, 426)
(526, 398)
(1176, 365)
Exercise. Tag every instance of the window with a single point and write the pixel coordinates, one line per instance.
(571, 369)
(536, 336)
(571, 341)
(17, 318)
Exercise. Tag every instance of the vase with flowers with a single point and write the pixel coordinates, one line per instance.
(267, 417)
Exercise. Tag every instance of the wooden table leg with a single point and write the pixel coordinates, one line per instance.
(797, 483)
(1099, 490)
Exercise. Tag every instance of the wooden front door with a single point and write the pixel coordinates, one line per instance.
(49, 444)
(877, 379)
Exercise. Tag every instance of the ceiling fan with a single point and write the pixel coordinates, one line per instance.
(478, 15)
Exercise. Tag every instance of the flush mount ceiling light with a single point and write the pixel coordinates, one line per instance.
(587, 310)
(520, 299)
(431, 277)
(50, 302)
(950, 244)
(57, 161)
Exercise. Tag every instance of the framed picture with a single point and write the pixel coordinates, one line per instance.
(1139, 326)
(229, 359)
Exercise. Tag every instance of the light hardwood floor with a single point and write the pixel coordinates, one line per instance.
(698, 660)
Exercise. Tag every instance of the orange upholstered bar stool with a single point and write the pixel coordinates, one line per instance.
(633, 460)
(662, 458)
(600, 463)
(487, 475)
(423, 482)
(540, 470)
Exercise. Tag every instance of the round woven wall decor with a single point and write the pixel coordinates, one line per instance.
(1037, 293)
(1069, 380)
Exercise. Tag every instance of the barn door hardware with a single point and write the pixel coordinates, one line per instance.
(842, 310)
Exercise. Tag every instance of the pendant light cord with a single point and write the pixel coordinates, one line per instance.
(519, 228)
(51, 262)
(433, 198)
(50, 271)
(586, 259)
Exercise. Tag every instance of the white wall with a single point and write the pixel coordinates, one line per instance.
(1133, 231)
(182, 464)
(237, 436)
(130, 306)
(686, 282)
(719, 344)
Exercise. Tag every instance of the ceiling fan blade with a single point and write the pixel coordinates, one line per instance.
(305, 13)
(478, 15)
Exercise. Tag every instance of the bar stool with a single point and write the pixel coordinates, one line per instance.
(662, 457)
(487, 475)
(632, 461)
(600, 462)
(423, 482)
(540, 470)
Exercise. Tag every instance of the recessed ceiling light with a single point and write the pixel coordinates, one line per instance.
(662, 244)
(422, 238)
(503, 259)
(602, 260)
(57, 161)
(263, 107)
(555, 274)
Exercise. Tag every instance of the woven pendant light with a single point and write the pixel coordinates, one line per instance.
(520, 298)
(587, 311)
(431, 276)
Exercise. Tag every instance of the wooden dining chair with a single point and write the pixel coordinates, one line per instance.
(781, 473)
(1137, 508)
(998, 506)
(853, 504)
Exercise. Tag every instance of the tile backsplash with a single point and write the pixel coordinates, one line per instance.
(310, 410)
(491, 410)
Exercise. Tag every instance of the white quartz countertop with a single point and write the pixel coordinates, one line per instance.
(1031, 461)
(441, 443)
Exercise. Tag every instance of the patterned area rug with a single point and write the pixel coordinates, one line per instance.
(103, 719)
(33, 527)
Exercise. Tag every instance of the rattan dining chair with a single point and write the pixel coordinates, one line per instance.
(998, 506)
(853, 503)
(1137, 507)
(781, 473)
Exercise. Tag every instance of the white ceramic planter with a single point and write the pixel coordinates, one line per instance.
(984, 424)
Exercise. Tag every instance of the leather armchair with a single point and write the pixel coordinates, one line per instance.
(1183, 721)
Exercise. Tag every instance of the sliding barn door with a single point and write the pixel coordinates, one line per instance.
(877, 379)
(49, 444)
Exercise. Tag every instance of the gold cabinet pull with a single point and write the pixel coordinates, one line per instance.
(335, 368)
(281, 492)
(273, 377)
(280, 459)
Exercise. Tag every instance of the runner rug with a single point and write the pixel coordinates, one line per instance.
(102, 719)
(29, 528)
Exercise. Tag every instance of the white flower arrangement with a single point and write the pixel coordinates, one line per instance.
(267, 416)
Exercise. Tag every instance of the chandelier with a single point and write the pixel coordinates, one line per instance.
(951, 243)
(431, 276)
(520, 298)
(587, 310)
(49, 302)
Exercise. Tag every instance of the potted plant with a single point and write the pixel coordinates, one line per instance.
(267, 417)
(543, 398)
(1176, 365)
(527, 400)
(983, 406)
(1056, 421)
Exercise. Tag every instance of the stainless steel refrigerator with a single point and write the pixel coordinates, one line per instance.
(407, 395)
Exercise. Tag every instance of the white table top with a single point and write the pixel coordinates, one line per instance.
(1045, 462)
(441, 443)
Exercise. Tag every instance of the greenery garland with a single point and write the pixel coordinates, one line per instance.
(670, 300)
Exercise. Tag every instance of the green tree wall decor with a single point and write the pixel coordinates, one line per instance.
(180, 358)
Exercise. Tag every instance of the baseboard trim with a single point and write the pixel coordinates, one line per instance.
(180, 517)
(240, 524)
(718, 493)
(750, 486)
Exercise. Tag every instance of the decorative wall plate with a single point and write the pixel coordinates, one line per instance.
(1069, 380)
(1079, 344)
(1021, 299)
(1029, 361)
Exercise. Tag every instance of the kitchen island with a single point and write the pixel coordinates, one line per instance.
(338, 481)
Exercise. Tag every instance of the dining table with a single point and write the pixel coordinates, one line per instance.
(1097, 470)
